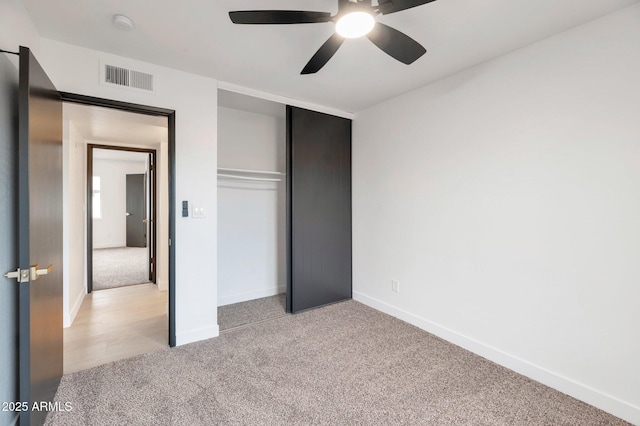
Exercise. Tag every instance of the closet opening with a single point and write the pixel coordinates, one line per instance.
(252, 203)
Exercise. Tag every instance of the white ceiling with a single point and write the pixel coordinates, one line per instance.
(106, 125)
(197, 36)
(242, 102)
(119, 155)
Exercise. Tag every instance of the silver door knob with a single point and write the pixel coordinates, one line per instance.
(128, 214)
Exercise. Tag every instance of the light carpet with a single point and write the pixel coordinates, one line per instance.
(251, 311)
(343, 364)
(119, 267)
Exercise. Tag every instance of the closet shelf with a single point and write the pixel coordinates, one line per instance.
(226, 176)
(244, 174)
(263, 172)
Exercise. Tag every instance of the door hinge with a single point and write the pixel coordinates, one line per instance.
(20, 275)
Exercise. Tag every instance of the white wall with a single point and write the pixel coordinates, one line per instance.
(74, 220)
(251, 215)
(75, 69)
(17, 29)
(162, 265)
(110, 230)
(505, 200)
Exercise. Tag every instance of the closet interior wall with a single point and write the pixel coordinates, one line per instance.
(251, 186)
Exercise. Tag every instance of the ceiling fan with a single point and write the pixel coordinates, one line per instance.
(355, 18)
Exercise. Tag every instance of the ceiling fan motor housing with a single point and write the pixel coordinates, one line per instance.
(345, 5)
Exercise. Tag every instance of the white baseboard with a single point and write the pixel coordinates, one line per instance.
(197, 335)
(70, 316)
(608, 403)
(163, 285)
(250, 295)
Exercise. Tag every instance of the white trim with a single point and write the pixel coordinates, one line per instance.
(250, 295)
(599, 399)
(71, 315)
(284, 100)
(163, 285)
(197, 335)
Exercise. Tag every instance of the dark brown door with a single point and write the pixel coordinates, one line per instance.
(319, 225)
(39, 238)
(136, 211)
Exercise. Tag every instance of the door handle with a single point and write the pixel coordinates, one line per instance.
(31, 274)
(128, 214)
(35, 272)
(145, 220)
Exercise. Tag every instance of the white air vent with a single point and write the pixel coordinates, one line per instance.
(124, 77)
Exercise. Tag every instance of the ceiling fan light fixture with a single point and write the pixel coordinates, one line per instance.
(355, 24)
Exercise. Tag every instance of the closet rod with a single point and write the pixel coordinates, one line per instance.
(221, 169)
(224, 175)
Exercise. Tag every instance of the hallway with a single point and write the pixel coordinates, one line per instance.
(114, 324)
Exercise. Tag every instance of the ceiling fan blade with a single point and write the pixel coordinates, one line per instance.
(323, 54)
(278, 17)
(392, 6)
(396, 44)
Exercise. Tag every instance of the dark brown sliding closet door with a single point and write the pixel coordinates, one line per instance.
(319, 210)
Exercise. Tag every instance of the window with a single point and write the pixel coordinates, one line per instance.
(97, 202)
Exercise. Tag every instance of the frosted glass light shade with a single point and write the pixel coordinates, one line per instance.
(355, 24)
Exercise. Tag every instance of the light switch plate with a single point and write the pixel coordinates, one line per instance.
(198, 212)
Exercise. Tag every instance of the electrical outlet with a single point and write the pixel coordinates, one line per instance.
(395, 286)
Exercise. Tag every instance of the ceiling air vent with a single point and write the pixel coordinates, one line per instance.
(125, 77)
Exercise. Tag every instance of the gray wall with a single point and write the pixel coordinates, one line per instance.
(8, 258)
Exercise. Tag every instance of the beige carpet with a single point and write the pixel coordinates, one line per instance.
(344, 364)
(251, 311)
(119, 267)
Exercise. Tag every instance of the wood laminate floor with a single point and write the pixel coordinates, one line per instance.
(115, 324)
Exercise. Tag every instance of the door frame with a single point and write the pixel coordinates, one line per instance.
(152, 251)
(171, 140)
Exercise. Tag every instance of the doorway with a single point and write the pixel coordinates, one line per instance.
(123, 186)
(119, 321)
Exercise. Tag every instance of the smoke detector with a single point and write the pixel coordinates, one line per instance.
(123, 22)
